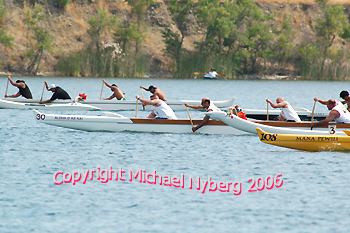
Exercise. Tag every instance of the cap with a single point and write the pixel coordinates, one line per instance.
(152, 87)
(52, 86)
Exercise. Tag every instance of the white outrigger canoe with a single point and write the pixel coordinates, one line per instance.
(115, 105)
(113, 122)
(279, 127)
(63, 106)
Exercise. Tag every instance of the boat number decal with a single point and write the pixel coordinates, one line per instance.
(40, 116)
(268, 137)
(331, 129)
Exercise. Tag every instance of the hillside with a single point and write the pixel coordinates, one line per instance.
(69, 30)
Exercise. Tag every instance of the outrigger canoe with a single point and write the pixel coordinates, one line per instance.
(306, 142)
(280, 127)
(113, 122)
(63, 106)
(114, 105)
(208, 76)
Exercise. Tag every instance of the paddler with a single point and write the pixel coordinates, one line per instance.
(117, 93)
(338, 112)
(155, 91)
(161, 110)
(206, 104)
(213, 72)
(287, 111)
(58, 93)
(345, 96)
(23, 89)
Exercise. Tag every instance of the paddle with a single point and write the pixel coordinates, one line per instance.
(101, 90)
(143, 106)
(189, 115)
(267, 113)
(7, 86)
(313, 112)
(42, 94)
(197, 73)
(136, 107)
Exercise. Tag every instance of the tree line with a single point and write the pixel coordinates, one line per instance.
(240, 39)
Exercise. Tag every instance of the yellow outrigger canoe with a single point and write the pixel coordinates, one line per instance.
(307, 142)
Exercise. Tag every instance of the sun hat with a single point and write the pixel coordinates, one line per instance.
(52, 86)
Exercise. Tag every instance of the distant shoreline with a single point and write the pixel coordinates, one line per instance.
(242, 77)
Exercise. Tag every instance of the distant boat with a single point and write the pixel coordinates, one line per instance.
(208, 76)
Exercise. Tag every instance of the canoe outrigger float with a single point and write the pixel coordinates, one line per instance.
(306, 142)
(62, 106)
(113, 122)
(279, 127)
(119, 104)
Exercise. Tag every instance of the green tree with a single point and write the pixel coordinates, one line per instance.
(127, 32)
(138, 9)
(218, 19)
(172, 42)
(283, 46)
(252, 40)
(99, 26)
(4, 38)
(332, 22)
(62, 4)
(42, 38)
(179, 11)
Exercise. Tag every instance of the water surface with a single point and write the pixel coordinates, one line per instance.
(314, 196)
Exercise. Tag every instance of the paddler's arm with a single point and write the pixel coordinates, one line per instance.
(11, 81)
(111, 97)
(106, 83)
(194, 106)
(146, 89)
(332, 115)
(146, 102)
(281, 118)
(13, 96)
(324, 102)
(45, 102)
(46, 85)
(280, 105)
(203, 122)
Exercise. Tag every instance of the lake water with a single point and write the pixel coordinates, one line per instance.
(314, 195)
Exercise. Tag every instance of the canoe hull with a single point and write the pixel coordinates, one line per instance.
(63, 106)
(311, 143)
(114, 105)
(119, 124)
(208, 76)
(276, 126)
